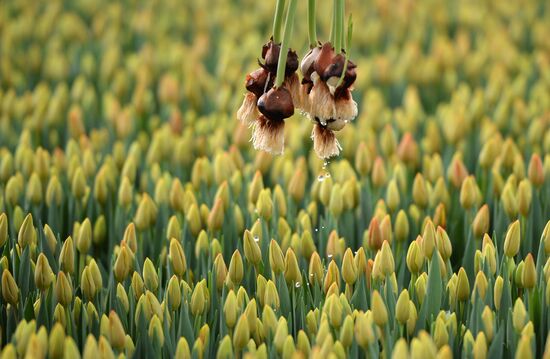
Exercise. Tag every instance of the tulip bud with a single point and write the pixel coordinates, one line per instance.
(87, 284)
(349, 269)
(497, 291)
(173, 293)
(10, 291)
(519, 315)
(220, 271)
(241, 333)
(468, 193)
(56, 344)
(400, 349)
(488, 325)
(379, 311)
(122, 297)
(177, 258)
(402, 307)
(462, 286)
(440, 336)
(84, 238)
(480, 224)
(415, 258)
(336, 203)
(252, 250)
(276, 260)
(420, 191)
(123, 264)
(512, 240)
(529, 275)
(182, 349)
(225, 350)
(292, 271)
(63, 289)
(42, 273)
(116, 330)
(236, 269)
(524, 348)
(155, 331)
(271, 296)
(27, 233)
(535, 171)
(524, 196)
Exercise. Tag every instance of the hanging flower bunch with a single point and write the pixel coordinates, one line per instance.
(324, 94)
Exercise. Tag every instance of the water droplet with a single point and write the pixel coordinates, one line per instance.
(329, 256)
(256, 239)
(311, 274)
(321, 178)
(297, 285)
(316, 229)
(327, 175)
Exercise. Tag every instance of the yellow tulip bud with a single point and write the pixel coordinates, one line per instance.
(27, 233)
(276, 260)
(519, 315)
(241, 333)
(155, 331)
(380, 313)
(480, 224)
(43, 274)
(402, 307)
(349, 269)
(512, 240)
(177, 258)
(63, 289)
(252, 250)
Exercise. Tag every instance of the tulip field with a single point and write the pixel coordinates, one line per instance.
(275, 179)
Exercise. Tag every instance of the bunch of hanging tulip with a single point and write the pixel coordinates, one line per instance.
(324, 94)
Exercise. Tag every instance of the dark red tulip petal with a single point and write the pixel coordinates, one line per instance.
(276, 104)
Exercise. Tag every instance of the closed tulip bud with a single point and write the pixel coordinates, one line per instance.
(420, 287)
(415, 258)
(378, 174)
(428, 239)
(400, 349)
(56, 343)
(271, 295)
(230, 309)
(225, 350)
(480, 224)
(509, 201)
(43, 274)
(280, 334)
(177, 258)
(202, 245)
(315, 269)
(462, 286)
(524, 348)
(364, 333)
(137, 285)
(70, 349)
(524, 197)
(379, 311)
(216, 216)
(335, 311)
(173, 293)
(545, 238)
(292, 270)
(402, 307)
(535, 171)
(91, 350)
(220, 271)
(264, 205)
(155, 331)
(198, 300)
(194, 219)
(336, 203)
(332, 277)
(241, 333)
(387, 262)
(401, 227)
(252, 250)
(276, 259)
(374, 240)
(123, 264)
(84, 238)
(420, 191)
(297, 184)
(116, 330)
(146, 213)
(3, 229)
(519, 315)
(529, 275)
(87, 284)
(122, 297)
(78, 184)
(512, 240)
(497, 291)
(302, 342)
(349, 269)
(487, 319)
(236, 269)
(481, 284)
(440, 336)
(392, 196)
(10, 291)
(27, 233)
(468, 193)
(63, 289)
(182, 349)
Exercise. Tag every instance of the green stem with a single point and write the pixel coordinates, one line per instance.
(278, 20)
(339, 26)
(281, 65)
(347, 49)
(333, 23)
(312, 29)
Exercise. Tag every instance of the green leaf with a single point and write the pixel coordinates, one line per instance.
(432, 300)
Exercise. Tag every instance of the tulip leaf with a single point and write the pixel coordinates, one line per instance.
(432, 300)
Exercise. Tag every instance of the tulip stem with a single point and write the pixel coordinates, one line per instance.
(281, 65)
(347, 50)
(339, 25)
(312, 29)
(278, 20)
